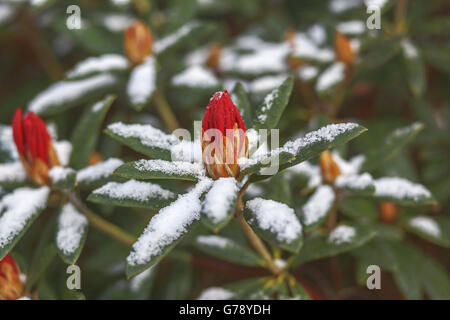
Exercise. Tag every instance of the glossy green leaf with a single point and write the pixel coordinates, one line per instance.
(242, 102)
(142, 83)
(62, 178)
(357, 208)
(179, 283)
(415, 68)
(85, 134)
(436, 230)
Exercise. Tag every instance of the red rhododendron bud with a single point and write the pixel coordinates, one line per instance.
(11, 287)
(138, 42)
(34, 146)
(224, 138)
(388, 212)
(343, 49)
(329, 168)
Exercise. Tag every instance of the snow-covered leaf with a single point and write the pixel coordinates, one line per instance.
(269, 113)
(275, 222)
(228, 250)
(65, 94)
(392, 144)
(62, 178)
(330, 77)
(8, 151)
(196, 77)
(93, 65)
(342, 239)
(142, 83)
(436, 230)
(402, 191)
(161, 169)
(98, 174)
(85, 134)
(71, 234)
(144, 139)
(12, 174)
(415, 68)
(132, 194)
(19, 209)
(175, 38)
(219, 203)
(166, 229)
(356, 184)
(316, 209)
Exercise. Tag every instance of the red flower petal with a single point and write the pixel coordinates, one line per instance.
(18, 133)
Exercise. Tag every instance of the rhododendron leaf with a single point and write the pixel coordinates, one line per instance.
(392, 144)
(241, 100)
(62, 178)
(433, 229)
(142, 83)
(85, 134)
(402, 191)
(228, 250)
(269, 113)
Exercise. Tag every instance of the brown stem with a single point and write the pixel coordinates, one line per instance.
(400, 16)
(101, 224)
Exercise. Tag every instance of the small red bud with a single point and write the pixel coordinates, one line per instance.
(11, 287)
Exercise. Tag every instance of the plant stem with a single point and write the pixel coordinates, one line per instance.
(101, 224)
(253, 238)
(400, 16)
(165, 111)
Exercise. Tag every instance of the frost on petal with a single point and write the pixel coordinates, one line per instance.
(216, 293)
(318, 205)
(275, 217)
(219, 198)
(18, 208)
(98, 171)
(426, 225)
(168, 225)
(71, 227)
(342, 234)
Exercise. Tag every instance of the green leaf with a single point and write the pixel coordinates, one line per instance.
(356, 185)
(144, 139)
(176, 38)
(71, 234)
(56, 98)
(294, 152)
(248, 288)
(299, 291)
(391, 146)
(357, 208)
(219, 203)
(160, 169)
(85, 134)
(415, 68)
(179, 283)
(98, 174)
(269, 113)
(436, 230)
(317, 208)
(227, 250)
(275, 222)
(242, 102)
(434, 278)
(142, 83)
(132, 194)
(320, 246)
(62, 178)
(18, 216)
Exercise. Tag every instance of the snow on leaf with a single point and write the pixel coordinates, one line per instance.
(401, 189)
(307, 73)
(12, 172)
(426, 225)
(163, 44)
(98, 171)
(312, 172)
(196, 76)
(71, 227)
(351, 27)
(63, 149)
(18, 208)
(267, 83)
(318, 205)
(216, 293)
(275, 217)
(306, 48)
(330, 77)
(171, 167)
(214, 241)
(106, 62)
(142, 82)
(219, 199)
(168, 225)
(358, 182)
(187, 151)
(342, 234)
(58, 173)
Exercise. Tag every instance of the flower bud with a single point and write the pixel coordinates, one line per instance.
(329, 168)
(138, 42)
(11, 287)
(34, 146)
(343, 49)
(223, 136)
(388, 212)
(214, 53)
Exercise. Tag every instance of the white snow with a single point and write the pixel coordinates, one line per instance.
(188, 151)
(71, 227)
(147, 134)
(171, 167)
(63, 150)
(307, 73)
(409, 49)
(59, 173)
(12, 172)
(426, 225)
(216, 293)
(358, 182)
(275, 217)
(317, 34)
(351, 167)
(65, 91)
(342, 234)
(196, 76)
(375, 4)
(142, 82)
(7, 141)
(254, 190)
(331, 76)
(135, 190)
(312, 172)
(267, 104)
(214, 241)
(305, 47)
(18, 208)
(338, 6)
(168, 225)
(353, 27)
(99, 170)
(106, 62)
(117, 22)
(198, 56)
(280, 263)
(399, 188)
(6, 13)
(318, 205)
(267, 83)
(219, 198)
(168, 41)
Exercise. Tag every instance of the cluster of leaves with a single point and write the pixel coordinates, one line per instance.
(289, 102)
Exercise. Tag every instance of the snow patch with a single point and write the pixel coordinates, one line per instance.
(99, 170)
(196, 77)
(142, 82)
(342, 234)
(71, 227)
(106, 62)
(426, 225)
(135, 190)
(219, 198)
(400, 188)
(318, 205)
(216, 293)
